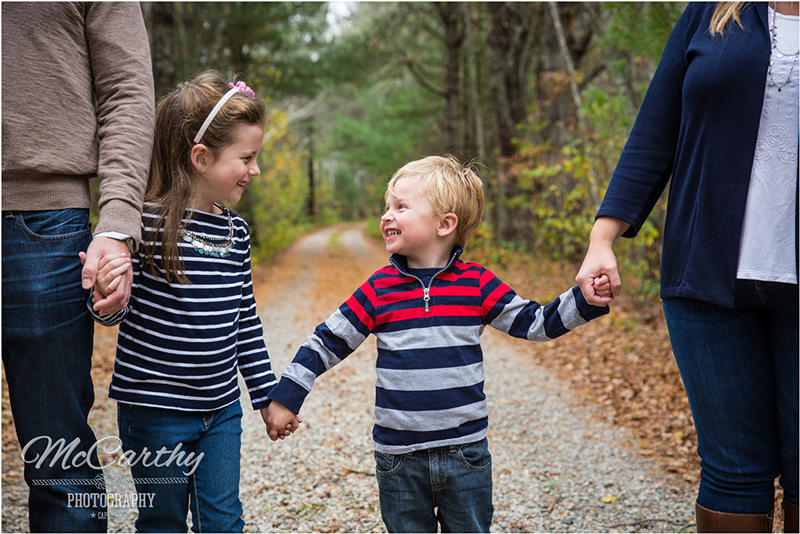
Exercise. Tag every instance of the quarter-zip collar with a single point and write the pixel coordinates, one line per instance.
(401, 264)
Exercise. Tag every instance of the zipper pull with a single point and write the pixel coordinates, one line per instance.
(427, 298)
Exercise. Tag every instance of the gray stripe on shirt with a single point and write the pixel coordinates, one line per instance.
(429, 338)
(430, 379)
(339, 325)
(427, 421)
(568, 310)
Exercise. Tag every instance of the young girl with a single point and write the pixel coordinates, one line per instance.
(192, 317)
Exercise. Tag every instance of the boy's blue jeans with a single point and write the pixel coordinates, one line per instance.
(451, 486)
(740, 370)
(47, 357)
(212, 489)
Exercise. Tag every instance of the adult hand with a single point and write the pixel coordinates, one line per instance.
(99, 248)
(600, 260)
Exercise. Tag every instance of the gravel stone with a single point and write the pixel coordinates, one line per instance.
(558, 465)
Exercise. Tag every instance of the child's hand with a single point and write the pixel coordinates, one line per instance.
(112, 268)
(111, 272)
(280, 420)
(602, 286)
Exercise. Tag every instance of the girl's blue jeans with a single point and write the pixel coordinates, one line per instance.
(212, 490)
(740, 370)
(47, 357)
(451, 486)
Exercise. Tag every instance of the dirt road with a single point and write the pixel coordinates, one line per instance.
(557, 464)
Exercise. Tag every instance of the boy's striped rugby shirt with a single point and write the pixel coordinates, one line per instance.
(429, 388)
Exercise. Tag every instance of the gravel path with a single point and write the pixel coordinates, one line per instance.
(558, 466)
(555, 462)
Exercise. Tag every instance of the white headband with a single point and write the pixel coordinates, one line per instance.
(240, 87)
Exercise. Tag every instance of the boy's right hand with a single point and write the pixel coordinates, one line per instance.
(280, 420)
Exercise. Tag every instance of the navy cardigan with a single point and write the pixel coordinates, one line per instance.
(698, 124)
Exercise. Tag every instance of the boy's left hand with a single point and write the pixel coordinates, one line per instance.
(602, 286)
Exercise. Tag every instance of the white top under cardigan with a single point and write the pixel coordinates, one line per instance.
(767, 249)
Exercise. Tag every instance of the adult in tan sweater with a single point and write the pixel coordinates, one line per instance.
(77, 102)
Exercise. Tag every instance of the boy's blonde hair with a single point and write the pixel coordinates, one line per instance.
(450, 187)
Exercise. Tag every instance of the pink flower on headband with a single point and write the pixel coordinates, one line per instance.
(242, 88)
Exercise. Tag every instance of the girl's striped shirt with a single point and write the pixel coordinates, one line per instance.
(429, 388)
(180, 345)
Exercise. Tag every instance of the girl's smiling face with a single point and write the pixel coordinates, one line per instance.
(224, 177)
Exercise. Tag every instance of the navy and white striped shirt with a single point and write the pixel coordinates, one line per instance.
(429, 388)
(179, 345)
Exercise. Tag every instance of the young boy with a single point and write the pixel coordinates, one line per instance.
(428, 310)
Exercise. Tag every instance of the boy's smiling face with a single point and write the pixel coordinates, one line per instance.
(412, 228)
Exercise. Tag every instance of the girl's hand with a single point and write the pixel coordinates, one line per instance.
(112, 271)
(281, 422)
(93, 259)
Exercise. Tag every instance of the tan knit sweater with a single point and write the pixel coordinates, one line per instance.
(77, 102)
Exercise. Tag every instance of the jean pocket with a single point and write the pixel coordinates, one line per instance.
(56, 225)
(476, 456)
(387, 465)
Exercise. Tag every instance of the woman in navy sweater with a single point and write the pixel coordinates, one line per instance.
(720, 119)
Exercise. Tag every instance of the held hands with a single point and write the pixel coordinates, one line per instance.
(598, 277)
(102, 266)
(110, 276)
(602, 286)
(280, 420)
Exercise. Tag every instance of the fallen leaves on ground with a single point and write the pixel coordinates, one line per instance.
(621, 362)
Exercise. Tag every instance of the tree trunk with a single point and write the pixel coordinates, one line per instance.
(453, 40)
(311, 180)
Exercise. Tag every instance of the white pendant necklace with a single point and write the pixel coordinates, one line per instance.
(779, 54)
(216, 250)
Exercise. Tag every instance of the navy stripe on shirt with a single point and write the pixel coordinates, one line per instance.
(180, 345)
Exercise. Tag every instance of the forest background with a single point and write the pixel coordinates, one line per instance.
(541, 96)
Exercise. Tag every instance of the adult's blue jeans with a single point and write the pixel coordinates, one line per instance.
(199, 466)
(47, 356)
(451, 486)
(740, 370)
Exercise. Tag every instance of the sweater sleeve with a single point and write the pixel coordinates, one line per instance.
(646, 163)
(506, 311)
(123, 84)
(253, 359)
(106, 320)
(332, 341)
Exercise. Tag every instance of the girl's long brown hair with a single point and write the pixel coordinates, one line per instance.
(725, 13)
(173, 178)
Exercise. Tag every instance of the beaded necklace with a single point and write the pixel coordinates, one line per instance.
(217, 250)
(780, 54)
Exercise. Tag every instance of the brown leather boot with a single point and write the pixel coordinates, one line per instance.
(710, 521)
(789, 517)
